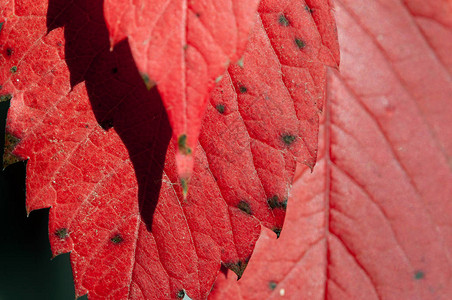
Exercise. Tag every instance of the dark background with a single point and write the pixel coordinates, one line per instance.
(26, 268)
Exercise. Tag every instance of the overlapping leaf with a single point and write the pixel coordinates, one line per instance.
(373, 220)
(97, 144)
(183, 47)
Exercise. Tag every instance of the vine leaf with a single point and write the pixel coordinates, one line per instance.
(97, 141)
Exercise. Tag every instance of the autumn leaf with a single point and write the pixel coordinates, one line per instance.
(373, 220)
(98, 145)
(183, 47)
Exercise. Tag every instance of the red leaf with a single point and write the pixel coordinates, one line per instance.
(97, 144)
(184, 47)
(373, 220)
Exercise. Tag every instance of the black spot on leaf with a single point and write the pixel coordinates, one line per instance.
(117, 239)
(245, 207)
(243, 89)
(300, 44)
(273, 202)
(13, 69)
(272, 285)
(62, 233)
(288, 139)
(182, 144)
(418, 275)
(220, 108)
(283, 21)
(283, 204)
(180, 294)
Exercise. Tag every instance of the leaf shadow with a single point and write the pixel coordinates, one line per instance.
(118, 95)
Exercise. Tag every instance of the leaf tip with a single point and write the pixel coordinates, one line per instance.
(148, 82)
(184, 186)
(240, 62)
(277, 230)
(184, 165)
(184, 161)
(112, 43)
(238, 268)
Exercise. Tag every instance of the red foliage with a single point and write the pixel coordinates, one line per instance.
(183, 47)
(373, 220)
(99, 153)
